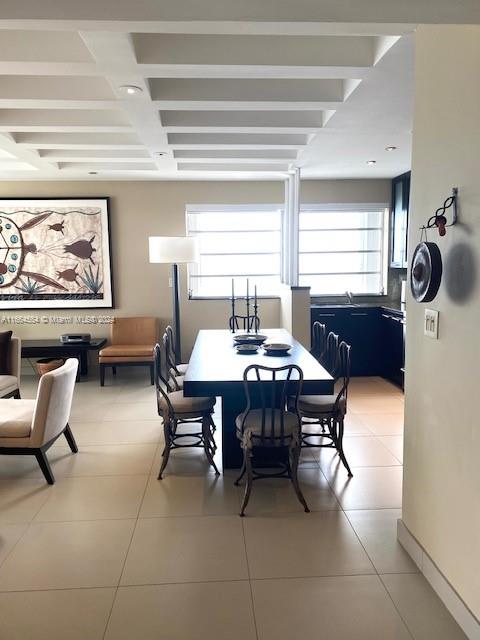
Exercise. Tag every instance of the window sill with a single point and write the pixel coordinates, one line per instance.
(237, 298)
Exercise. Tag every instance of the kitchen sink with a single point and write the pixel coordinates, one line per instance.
(347, 305)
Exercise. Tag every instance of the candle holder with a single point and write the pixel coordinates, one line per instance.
(247, 322)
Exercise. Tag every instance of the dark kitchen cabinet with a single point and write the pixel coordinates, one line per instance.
(376, 335)
(393, 340)
(399, 221)
(360, 328)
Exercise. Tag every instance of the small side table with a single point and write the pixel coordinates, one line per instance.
(56, 349)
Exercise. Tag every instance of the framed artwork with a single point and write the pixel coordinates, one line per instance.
(55, 253)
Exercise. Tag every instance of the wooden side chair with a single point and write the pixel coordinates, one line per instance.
(319, 340)
(30, 427)
(244, 323)
(271, 427)
(328, 411)
(177, 410)
(172, 375)
(329, 357)
(179, 369)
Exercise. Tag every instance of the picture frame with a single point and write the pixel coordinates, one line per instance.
(55, 253)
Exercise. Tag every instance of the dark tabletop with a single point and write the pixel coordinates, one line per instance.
(215, 366)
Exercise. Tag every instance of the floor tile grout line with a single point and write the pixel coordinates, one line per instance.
(407, 627)
(215, 581)
(252, 601)
(140, 503)
(27, 528)
(379, 576)
(390, 436)
(266, 514)
(123, 586)
(128, 548)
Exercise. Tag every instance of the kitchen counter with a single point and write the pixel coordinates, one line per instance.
(387, 306)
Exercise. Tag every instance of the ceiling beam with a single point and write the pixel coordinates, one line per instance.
(8, 144)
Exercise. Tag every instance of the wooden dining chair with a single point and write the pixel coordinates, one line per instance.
(173, 377)
(329, 357)
(327, 412)
(319, 340)
(267, 426)
(177, 410)
(244, 323)
(179, 369)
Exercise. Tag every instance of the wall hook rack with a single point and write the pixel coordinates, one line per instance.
(439, 218)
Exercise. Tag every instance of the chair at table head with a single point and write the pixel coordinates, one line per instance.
(271, 421)
(244, 323)
(272, 397)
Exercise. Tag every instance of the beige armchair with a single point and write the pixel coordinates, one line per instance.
(10, 383)
(132, 343)
(30, 427)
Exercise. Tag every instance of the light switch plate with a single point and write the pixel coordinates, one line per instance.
(430, 327)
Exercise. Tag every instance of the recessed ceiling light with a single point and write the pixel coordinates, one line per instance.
(390, 148)
(130, 89)
(371, 162)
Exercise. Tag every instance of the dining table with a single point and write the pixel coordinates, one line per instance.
(216, 369)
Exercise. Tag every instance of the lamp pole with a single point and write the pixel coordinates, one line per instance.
(173, 251)
(176, 313)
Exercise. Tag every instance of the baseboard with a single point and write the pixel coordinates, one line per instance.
(444, 590)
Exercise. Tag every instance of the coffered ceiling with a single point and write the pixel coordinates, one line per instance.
(212, 99)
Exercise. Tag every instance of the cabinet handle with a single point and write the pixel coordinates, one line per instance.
(384, 315)
(359, 314)
(325, 315)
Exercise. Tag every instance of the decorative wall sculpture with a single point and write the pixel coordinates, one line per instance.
(55, 253)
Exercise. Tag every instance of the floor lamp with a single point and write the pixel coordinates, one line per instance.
(174, 251)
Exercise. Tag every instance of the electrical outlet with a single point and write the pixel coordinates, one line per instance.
(430, 327)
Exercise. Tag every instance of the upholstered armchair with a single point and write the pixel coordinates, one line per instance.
(10, 382)
(131, 344)
(30, 427)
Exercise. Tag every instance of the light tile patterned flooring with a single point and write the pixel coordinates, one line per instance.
(111, 552)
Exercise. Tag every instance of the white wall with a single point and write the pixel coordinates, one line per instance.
(441, 501)
(141, 209)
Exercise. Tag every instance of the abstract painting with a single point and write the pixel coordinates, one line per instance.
(55, 253)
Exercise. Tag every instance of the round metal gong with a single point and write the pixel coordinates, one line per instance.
(426, 272)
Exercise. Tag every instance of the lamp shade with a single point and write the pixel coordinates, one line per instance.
(172, 250)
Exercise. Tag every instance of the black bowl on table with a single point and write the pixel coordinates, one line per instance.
(247, 349)
(249, 338)
(277, 349)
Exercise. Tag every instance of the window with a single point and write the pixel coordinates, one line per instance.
(235, 242)
(342, 247)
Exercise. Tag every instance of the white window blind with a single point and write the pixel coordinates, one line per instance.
(236, 242)
(343, 248)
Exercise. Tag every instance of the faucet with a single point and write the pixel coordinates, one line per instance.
(349, 295)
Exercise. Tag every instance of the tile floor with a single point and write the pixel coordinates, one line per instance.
(111, 552)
